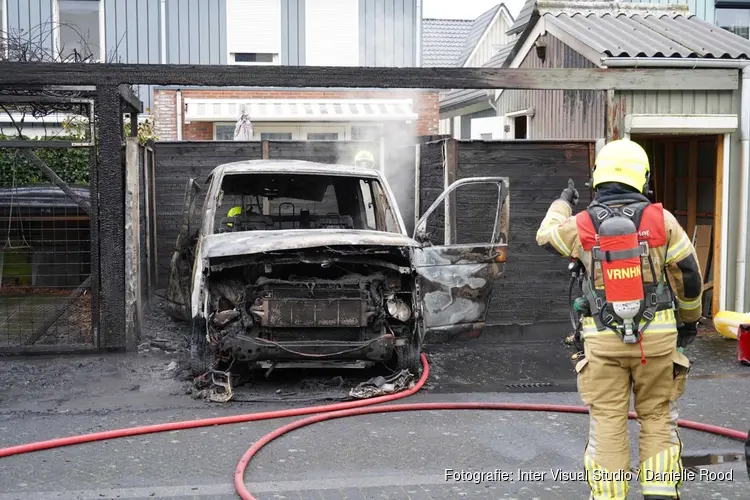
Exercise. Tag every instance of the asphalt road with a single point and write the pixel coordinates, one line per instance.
(390, 456)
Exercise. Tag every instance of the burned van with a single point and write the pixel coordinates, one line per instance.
(297, 262)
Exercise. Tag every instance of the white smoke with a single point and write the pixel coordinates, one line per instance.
(396, 155)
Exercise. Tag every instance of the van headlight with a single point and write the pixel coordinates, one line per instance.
(398, 309)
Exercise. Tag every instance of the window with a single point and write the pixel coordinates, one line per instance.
(322, 136)
(266, 202)
(79, 37)
(275, 136)
(735, 19)
(254, 58)
(365, 133)
(224, 132)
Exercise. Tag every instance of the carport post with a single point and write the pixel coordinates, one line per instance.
(111, 200)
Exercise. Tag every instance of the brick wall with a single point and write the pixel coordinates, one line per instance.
(426, 105)
(165, 118)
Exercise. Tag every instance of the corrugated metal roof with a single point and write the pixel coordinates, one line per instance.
(478, 27)
(623, 34)
(443, 40)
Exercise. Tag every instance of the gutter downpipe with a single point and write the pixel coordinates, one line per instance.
(179, 114)
(419, 34)
(741, 285)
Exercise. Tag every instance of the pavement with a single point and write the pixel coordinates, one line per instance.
(409, 455)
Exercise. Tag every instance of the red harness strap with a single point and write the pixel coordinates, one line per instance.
(651, 228)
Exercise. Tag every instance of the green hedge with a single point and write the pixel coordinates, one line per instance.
(71, 164)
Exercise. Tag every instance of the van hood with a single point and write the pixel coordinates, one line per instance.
(254, 242)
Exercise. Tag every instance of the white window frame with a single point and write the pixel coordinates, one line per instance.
(299, 130)
(56, 27)
(216, 124)
(4, 23)
(344, 131)
(272, 127)
(276, 60)
(230, 54)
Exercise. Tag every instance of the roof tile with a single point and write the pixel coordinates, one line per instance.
(443, 41)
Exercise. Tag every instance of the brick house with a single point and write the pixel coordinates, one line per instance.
(294, 114)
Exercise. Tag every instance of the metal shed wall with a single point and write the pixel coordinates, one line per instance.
(560, 114)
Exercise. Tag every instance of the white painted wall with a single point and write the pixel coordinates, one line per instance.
(490, 128)
(254, 26)
(332, 32)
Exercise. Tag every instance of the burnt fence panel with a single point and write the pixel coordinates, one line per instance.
(45, 267)
(176, 162)
(534, 287)
(432, 185)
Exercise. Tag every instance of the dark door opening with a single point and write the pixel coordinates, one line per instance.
(686, 179)
(520, 125)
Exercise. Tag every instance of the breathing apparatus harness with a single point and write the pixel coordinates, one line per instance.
(578, 308)
(611, 230)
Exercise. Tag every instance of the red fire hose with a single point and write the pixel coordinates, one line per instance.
(321, 413)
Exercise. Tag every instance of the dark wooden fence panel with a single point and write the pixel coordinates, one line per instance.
(431, 185)
(534, 287)
(176, 162)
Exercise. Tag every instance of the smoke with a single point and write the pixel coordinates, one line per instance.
(391, 142)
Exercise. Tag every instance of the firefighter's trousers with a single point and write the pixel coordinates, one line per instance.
(604, 384)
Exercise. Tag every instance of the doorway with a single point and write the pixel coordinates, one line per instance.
(686, 173)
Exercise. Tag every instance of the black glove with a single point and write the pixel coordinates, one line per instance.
(686, 334)
(570, 195)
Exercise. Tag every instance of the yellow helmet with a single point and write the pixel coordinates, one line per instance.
(234, 212)
(364, 157)
(622, 161)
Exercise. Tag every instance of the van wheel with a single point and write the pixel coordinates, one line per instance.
(408, 357)
(199, 352)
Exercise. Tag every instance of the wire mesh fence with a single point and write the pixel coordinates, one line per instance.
(45, 263)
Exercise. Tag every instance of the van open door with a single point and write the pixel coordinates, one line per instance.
(183, 259)
(456, 280)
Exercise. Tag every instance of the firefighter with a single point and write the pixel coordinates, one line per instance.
(632, 250)
(233, 212)
(237, 210)
(364, 159)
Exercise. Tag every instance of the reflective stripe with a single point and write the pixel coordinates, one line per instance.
(552, 235)
(689, 304)
(558, 242)
(679, 250)
(662, 473)
(664, 322)
(603, 483)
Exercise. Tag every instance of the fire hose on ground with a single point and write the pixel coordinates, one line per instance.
(328, 412)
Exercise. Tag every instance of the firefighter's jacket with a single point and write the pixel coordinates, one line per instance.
(559, 232)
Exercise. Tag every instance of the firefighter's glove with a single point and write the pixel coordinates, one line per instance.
(686, 334)
(570, 195)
